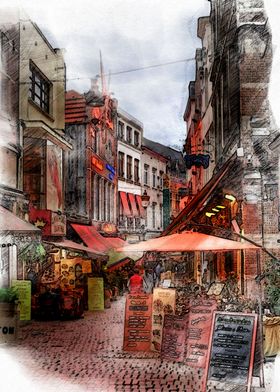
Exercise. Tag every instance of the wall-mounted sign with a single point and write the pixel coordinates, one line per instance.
(110, 168)
(97, 163)
(109, 228)
(58, 224)
(50, 222)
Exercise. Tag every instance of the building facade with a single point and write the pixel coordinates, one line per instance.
(32, 104)
(200, 144)
(131, 214)
(174, 185)
(90, 168)
(153, 172)
(242, 195)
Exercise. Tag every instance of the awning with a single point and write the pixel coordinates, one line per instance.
(126, 209)
(199, 199)
(141, 209)
(67, 244)
(95, 240)
(91, 237)
(132, 200)
(11, 222)
(188, 241)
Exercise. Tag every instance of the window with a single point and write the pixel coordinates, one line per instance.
(146, 174)
(40, 88)
(129, 134)
(121, 165)
(136, 170)
(120, 130)
(136, 138)
(129, 167)
(160, 180)
(154, 215)
(161, 215)
(154, 170)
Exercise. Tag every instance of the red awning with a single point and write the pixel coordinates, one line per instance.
(91, 237)
(141, 209)
(95, 240)
(134, 209)
(126, 209)
(67, 244)
(187, 242)
(195, 205)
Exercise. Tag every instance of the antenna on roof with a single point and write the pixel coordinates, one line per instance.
(103, 82)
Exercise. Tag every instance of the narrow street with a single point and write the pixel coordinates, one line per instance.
(86, 355)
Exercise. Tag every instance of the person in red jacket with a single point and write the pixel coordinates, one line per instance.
(135, 283)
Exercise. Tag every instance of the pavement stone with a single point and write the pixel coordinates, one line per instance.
(86, 355)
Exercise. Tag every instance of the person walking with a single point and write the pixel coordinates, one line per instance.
(135, 283)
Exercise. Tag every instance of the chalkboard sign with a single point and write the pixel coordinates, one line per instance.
(137, 327)
(231, 357)
(173, 338)
(199, 328)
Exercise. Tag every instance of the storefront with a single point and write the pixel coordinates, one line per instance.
(210, 329)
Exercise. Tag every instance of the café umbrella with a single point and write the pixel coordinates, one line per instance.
(188, 241)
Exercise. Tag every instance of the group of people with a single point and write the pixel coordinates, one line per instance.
(145, 283)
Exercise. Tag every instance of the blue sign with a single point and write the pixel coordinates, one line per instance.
(110, 168)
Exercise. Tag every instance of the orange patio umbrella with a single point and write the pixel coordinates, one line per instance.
(188, 241)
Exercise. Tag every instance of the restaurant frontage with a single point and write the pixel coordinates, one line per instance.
(208, 326)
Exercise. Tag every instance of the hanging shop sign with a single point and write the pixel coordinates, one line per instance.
(137, 327)
(58, 224)
(163, 304)
(51, 223)
(197, 160)
(198, 337)
(173, 337)
(95, 294)
(233, 338)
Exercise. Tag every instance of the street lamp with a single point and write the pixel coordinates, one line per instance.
(145, 198)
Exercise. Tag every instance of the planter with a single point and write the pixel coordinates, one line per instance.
(9, 321)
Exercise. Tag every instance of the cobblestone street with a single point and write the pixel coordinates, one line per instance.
(86, 355)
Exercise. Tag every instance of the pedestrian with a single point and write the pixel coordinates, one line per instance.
(148, 281)
(157, 272)
(135, 283)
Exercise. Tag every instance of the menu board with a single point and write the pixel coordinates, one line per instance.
(199, 328)
(67, 273)
(232, 351)
(173, 337)
(137, 327)
(24, 292)
(95, 294)
(163, 304)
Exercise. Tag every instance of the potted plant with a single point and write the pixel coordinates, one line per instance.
(8, 301)
(272, 285)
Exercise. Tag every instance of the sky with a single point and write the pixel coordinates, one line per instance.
(133, 34)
